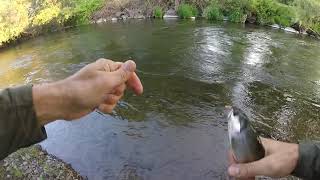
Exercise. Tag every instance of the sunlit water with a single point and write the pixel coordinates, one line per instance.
(190, 70)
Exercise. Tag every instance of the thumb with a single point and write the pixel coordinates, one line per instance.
(241, 171)
(123, 73)
(250, 170)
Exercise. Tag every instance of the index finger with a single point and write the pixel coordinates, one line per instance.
(106, 65)
(135, 84)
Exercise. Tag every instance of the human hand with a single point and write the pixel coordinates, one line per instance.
(98, 85)
(280, 161)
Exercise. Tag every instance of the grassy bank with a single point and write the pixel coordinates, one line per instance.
(303, 15)
(28, 18)
(283, 12)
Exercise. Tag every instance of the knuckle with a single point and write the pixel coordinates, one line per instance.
(100, 60)
(107, 67)
(121, 89)
(112, 99)
(123, 75)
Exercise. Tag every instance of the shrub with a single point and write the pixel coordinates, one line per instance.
(308, 13)
(237, 16)
(34, 16)
(47, 14)
(285, 15)
(13, 19)
(158, 12)
(265, 10)
(187, 11)
(84, 9)
(213, 12)
(236, 10)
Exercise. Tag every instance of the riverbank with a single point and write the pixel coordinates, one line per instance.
(35, 163)
(26, 19)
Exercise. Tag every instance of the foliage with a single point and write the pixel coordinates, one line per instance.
(236, 10)
(288, 2)
(271, 11)
(158, 12)
(187, 11)
(84, 8)
(19, 17)
(308, 13)
(285, 15)
(265, 10)
(45, 15)
(213, 11)
(13, 19)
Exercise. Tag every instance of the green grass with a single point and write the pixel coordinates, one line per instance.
(158, 12)
(285, 15)
(213, 12)
(83, 10)
(187, 11)
(308, 13)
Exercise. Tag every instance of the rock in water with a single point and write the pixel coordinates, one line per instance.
(245, 143)
(276, 26)
(291, 30)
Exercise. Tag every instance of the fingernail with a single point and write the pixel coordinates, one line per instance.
(129, 66)
(233, 170)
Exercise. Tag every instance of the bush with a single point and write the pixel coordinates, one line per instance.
(84, 9)
(47, 14)
(31, 17)
(13, 19)
(265, 10)
(158, 12)
(187, 11)
(213, 12)
(308, 14)
(236, 10)
(285, 15)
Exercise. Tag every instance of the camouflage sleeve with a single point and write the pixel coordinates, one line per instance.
(18, 123)
(308, 166)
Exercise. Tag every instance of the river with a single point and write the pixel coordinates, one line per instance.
(190, 70)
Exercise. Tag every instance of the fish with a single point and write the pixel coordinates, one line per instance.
(244, 141)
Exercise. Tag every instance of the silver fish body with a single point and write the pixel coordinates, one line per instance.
(244, 141)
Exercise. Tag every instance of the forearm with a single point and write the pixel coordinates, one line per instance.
(18, 122)
(308, 166)
(49, 102)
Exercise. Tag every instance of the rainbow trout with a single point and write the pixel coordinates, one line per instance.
(245, 143)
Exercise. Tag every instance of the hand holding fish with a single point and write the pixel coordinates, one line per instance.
(280, 160)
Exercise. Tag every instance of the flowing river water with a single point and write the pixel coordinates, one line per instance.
(190, 70)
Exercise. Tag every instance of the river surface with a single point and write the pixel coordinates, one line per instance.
(190, 70)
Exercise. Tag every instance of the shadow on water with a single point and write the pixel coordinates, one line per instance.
(190, 71)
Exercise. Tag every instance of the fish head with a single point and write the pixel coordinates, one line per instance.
(237, 119)
(234, 126)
